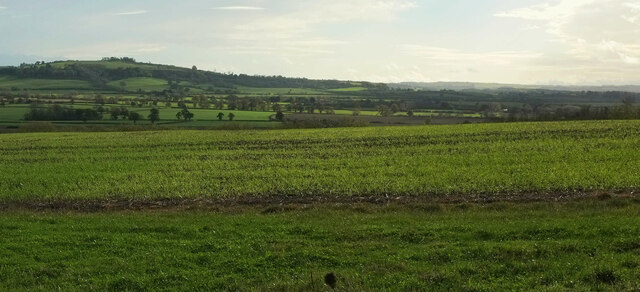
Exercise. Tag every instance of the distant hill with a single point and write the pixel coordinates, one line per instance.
(461, 86)
(125, 74)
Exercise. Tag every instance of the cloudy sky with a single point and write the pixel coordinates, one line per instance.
(525, 41)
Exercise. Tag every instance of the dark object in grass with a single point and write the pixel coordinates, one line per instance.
(606, 277)
(604, 196)
(330, 280)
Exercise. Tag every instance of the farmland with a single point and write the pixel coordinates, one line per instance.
(535, 190)
(519, 158)
(206, 118)
(511, 206)
(533, 246)
(117, 87)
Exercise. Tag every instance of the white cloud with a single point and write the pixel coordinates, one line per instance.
(443, 55)
(634, 17)
(627, 53)
(546, 11)
(599, 37)
(137, 12)
(238, 8)
(309, 14)
(284, 48)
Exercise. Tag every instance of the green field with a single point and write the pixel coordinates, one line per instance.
(577, 246)
(517, 158)
(348, 89)
(278, 91)
(14, 114)
(278, 209)
(143, 83)
(8, 83)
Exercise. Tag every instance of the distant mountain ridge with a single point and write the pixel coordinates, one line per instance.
(461, 86)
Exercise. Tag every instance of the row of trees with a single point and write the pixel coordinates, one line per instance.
(571, 112)
(61, 113)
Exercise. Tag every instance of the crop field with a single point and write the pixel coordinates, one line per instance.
(278, 209)
(520, 158)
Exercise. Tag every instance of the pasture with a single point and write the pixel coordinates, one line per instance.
(587, 245)
(9, 83)
(428, 161)
(14, 113)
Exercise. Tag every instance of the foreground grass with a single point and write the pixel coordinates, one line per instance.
(513, 158)
(576, 245)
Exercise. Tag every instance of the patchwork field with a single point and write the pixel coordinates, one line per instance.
(433, 161)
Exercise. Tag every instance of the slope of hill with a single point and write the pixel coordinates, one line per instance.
(125, 74)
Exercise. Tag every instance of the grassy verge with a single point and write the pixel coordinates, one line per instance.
(578, 245)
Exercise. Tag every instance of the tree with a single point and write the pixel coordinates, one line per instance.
(395, 108)
(276, 107)
(219, 104)
(329, 110)
(99, 99)
(167, 104)
(280, 116)
(231, 116)
(204, 102)
(410, 113)
(154, 116)
(185, 114)
(114, 113)
(384, 111)
(123, 85)
(135, 117)
(220, 116)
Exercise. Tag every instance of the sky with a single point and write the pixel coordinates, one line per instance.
(563, 42)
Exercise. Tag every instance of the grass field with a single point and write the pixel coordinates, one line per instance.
(348, 89)
(519, 158)
(203, 117)
(578, 246)
(143, 83)
(43, 84)
(112, 226)
(277, 91)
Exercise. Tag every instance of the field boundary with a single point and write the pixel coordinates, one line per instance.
(116, 204)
